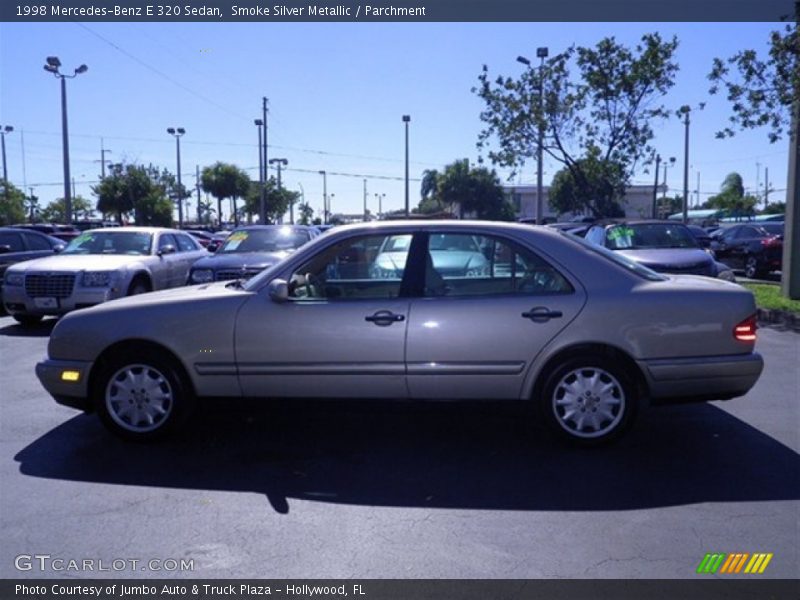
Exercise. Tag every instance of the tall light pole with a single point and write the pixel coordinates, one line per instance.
(263, 207)
(52, 66)
(177, 133)
(541, 53)
(684, 111)
(282, 162)
(324, 197)
(406, 120)
(103, 152)
(3, 131)
(655, 186)
(261, 175)
(365, 200)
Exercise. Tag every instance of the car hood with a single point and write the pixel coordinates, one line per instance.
(669, 258)
(80, 262)
(237, 260)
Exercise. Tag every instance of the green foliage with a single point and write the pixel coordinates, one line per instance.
(572, 188)
(775, 208)
(12, 203)
(605, 112)
(769, 297)
(56, 211)
(761, 90)
(225, 180)
(732, 198)
(277, 201)
(138, 190)
(471, 190)
(306, 214)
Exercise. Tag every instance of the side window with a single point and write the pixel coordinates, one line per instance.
(186, 243)
(730, 234)
(475, 265)
(595, 236)
(13, 241)
(36, 242)
(167, 240)
(364, 267)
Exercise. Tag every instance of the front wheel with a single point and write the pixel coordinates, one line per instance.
(752, 270)
(141, 398)
(589, 400)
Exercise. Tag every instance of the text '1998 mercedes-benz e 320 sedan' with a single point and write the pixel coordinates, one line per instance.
(417, 310)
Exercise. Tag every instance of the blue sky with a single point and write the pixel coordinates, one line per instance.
(337, 92)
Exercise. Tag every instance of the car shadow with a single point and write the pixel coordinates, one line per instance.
(440, 456)
(42, 329)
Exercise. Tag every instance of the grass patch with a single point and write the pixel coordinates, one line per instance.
(769, 297)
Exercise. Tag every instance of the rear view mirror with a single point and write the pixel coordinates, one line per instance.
(278, 290)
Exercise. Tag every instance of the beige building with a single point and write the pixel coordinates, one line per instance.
(638, 202)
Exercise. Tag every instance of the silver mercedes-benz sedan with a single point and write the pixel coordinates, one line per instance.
(97, 266)
(586, 335)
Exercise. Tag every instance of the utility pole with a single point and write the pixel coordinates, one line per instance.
(766, 187)
(282, 162)
(197, 187)
(685, 110)
(324, 197)
(697, 203)
(655, 185)
(3, 132)
(263, 207)
(365, 199)
(406, 119)
(103, 160)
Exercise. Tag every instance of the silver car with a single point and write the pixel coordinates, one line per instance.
(97, 266)
(586, 335)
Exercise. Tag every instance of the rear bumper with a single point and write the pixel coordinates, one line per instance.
(69, 393)
(701, 378)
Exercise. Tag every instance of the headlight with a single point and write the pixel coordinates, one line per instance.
(14, 278)
(96, 279)
(202, 276)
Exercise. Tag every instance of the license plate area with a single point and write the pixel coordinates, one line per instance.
(45, 303)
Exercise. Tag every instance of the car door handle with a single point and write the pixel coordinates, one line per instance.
(385, 317)
(541, 313)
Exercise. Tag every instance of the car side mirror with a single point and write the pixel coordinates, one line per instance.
(278, 290)
(58, 248)
(5, 249)
(168, 249)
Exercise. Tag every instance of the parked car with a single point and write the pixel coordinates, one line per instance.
(452, 255)
(202, 236)
(585, 334)
(249, 250)
(663, 246)
(66, 233)
(753, 248)
(97, 266)
(217, 239)
(701, 235)
(18, 246)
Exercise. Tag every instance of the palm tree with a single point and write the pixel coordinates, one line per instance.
(224, 180)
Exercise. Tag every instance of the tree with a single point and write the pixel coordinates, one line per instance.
(56, 211)
(277, 201)
(775, 208)
(766, 93)
(566, 194)
(732, 198)
(605, 113)
(471, 190)
(12, 203)
(306, 214)
(225, 180)
(138, 190)
(32, 207)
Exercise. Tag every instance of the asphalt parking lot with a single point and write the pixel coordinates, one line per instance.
(403, 491)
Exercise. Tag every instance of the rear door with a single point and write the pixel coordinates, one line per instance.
(475, 331)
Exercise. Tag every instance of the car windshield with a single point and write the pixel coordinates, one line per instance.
(264, 240)
(111, 242)
(619, 259)
(649, 235)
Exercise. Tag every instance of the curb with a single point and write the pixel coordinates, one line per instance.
(778, 319)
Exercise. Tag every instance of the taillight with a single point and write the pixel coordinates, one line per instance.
(746, 330)
(773, 241)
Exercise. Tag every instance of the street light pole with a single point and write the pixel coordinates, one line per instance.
(324, 197)
(263, 207)
(103, 151)
(52, 66)
(406, 119)
(177, 133)
(3, 131)
(541, 53)
(261, 190)
(655, 187)
(365, 200)
(282, 162)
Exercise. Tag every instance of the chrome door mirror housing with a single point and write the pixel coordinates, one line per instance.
(278, 290)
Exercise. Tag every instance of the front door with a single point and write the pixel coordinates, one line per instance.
(341, 334)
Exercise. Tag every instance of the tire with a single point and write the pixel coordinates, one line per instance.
(142, 396)
(138, 286)
(27, 320)
(588, 400)
(752, 270)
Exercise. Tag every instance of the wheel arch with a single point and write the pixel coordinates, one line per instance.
(595, 348)
(141, 275)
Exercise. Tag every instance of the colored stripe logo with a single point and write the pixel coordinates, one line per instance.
(738, 562)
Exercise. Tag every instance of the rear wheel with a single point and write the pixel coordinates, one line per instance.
(752, 269)
(142, 396)
(27, 320)
(589, 400)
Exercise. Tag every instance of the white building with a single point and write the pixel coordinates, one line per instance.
(638, 201)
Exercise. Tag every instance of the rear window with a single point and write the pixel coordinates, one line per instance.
(619, 259)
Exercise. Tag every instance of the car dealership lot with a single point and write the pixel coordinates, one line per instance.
(354, 490)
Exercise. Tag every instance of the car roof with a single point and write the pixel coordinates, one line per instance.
(134, 229)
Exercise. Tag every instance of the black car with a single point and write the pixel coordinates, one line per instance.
(65, 233)
(249, 250)
(17, 245)
(664, 246)
(701, 235)
(754, 248)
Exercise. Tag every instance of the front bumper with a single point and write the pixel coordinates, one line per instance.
(17, 301)
(69, 393)
(701, 378)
